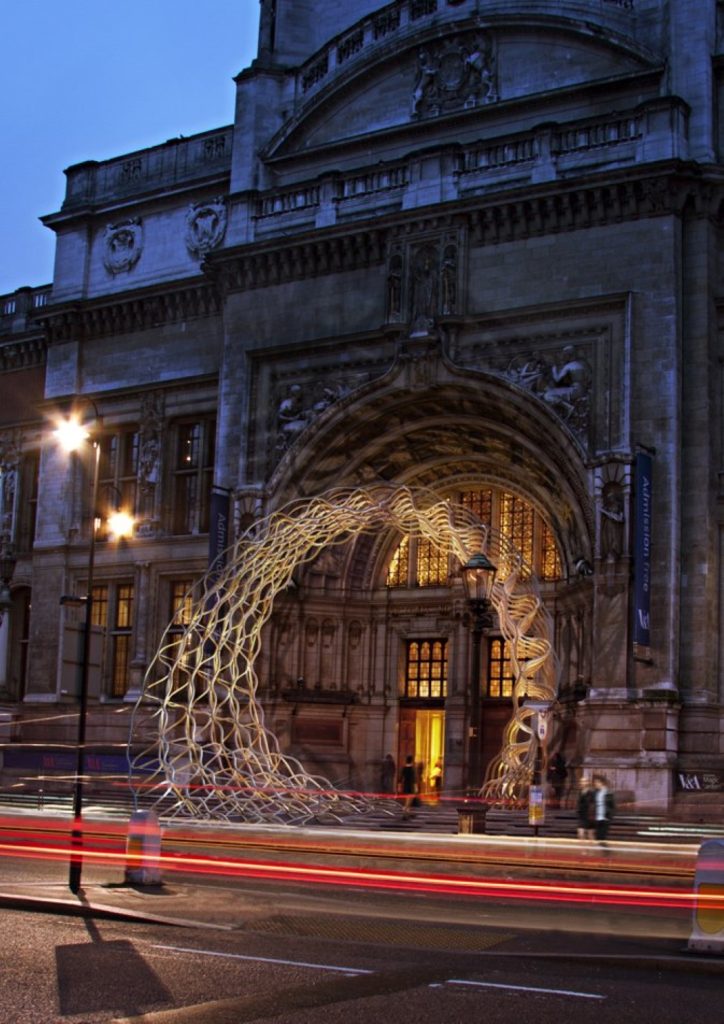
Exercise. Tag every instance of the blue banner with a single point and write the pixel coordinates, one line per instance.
(642, 550)
(219, 527)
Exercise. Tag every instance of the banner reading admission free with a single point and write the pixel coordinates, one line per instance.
(642, 550)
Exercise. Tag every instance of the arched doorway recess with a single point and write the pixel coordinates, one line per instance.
(211, 750)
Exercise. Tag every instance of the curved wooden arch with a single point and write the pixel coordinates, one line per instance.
(213, 756)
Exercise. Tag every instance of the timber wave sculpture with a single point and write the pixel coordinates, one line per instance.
(198, 724)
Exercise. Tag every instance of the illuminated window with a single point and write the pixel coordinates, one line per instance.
(121, 639)
(516, 524)
(479, 502)
(550, 559)
(112, 610)
(397, 574)
(181, 604)
(193, 475)
(425, 670)
(117, 476)
(180, 615)
(431, 564)
(515, 518)
(500, 669)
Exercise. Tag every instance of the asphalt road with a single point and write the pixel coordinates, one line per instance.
(293, 954)
(60, 969)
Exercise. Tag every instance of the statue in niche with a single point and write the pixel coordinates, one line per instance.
(394, 288)
(612, 521)
(150, 440)
(424, 287)
(449, 280)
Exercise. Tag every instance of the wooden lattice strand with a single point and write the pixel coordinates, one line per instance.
(213, 756)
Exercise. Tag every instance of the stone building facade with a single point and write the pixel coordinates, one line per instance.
(472, 246)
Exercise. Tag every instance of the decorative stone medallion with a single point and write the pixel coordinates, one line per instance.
(205, 226)
(455, 75)
(122, 245)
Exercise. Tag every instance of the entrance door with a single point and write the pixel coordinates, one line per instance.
(422, 734)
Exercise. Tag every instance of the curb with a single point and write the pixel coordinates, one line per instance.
(51, 905)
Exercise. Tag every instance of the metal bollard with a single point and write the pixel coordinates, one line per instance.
(143, 849)
(707, 933)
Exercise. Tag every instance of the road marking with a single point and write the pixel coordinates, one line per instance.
(266, 960)
(526, 988)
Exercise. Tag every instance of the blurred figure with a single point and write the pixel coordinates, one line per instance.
(586, 808)
(557, 775)
(436, 780)
(388, 774)
(604, 804)
(408, 785)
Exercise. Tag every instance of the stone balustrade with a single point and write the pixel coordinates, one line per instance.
(359, 42)
(173, 163)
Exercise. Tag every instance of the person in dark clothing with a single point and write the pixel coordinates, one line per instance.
(557, 775)
(603, 807)
(388, 774)
(408, 785)
(586, 808)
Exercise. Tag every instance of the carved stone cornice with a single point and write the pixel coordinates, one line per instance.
(585, 206)
(307, 257)
(518, 214)
(131, 312)
(22, 354)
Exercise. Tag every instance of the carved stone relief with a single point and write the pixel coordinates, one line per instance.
(298, 405)
(122, 245)
(10, 456)
(562, 379)
(205, 226)
(454, 75)
(151, 425)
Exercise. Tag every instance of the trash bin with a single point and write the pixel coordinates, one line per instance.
(143, 849)
(471, 819)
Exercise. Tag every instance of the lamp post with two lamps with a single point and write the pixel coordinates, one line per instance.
(478, 576)
(72, 436)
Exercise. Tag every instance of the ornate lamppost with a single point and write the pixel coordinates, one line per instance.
(478, 576)
(72, 436)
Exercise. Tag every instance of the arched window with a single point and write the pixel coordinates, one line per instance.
(417, 562)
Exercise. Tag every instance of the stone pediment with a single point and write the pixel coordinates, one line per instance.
(472, 67)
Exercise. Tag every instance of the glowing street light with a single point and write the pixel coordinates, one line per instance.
(72, 435)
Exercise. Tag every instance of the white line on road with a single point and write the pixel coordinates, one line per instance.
(525, 988)
(265, 960)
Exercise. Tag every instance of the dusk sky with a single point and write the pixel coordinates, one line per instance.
(86, 80)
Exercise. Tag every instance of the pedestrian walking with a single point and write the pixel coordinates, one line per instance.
(557, 775)
(408, 785)
(388, 774)
(604, 805)
(586, 808)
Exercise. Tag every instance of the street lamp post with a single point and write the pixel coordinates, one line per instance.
(72, 435)
(478, 575)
